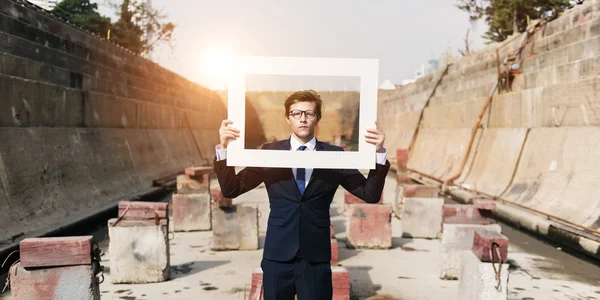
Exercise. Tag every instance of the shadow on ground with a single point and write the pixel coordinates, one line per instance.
(187, 269)
(361, 285)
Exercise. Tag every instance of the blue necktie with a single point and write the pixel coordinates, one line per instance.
(300, 175)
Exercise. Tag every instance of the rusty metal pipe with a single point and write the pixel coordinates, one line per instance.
(473, 134)
(548, 216)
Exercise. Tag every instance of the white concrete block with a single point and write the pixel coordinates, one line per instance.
(422, 217)
(138, 251)
(478, 279)
(54, 283)
(457, 238)
(235, 228)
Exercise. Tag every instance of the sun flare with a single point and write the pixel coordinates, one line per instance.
(217, 63)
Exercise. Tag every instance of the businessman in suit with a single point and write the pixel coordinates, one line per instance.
(297, 251)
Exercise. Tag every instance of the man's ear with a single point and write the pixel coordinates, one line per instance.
(287, 119)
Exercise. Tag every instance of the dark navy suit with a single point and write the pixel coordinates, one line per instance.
(298, 242)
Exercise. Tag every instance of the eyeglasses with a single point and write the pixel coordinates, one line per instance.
(297, 114)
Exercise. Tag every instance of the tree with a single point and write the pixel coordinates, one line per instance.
(467, 50)
(505, 17)
(141, 28)
(83, 14)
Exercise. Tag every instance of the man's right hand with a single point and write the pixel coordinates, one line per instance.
(227, 133)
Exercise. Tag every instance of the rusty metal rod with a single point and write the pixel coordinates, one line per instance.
(473, 134)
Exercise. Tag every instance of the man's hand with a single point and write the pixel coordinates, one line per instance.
(227, 133)
(376, 137)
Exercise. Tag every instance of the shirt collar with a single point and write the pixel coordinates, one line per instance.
(310, 146)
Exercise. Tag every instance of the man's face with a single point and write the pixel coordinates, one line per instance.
(304, 126)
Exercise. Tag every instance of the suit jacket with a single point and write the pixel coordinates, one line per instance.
(300, 222)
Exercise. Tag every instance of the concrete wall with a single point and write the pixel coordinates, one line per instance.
(85, 123)
(536, 145)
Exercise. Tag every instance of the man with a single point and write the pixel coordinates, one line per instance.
(297, 252)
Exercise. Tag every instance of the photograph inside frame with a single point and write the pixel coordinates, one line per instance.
(273, 108)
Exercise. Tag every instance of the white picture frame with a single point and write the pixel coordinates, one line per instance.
(366, 69)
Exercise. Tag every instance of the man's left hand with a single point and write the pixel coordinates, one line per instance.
(376, 137)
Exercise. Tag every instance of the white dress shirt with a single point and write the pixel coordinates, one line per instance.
(310, 146)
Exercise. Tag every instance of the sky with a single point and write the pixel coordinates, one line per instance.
(401, 34)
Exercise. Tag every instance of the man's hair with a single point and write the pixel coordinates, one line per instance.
(304, 96)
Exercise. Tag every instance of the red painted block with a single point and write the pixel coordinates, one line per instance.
(56, 251)
(139, 210)
(369, 226)
(67, 282)
(198, 171)
(335, 258)
(256, 289)
(351, 199)
(219, 200)
(461, 211)
(484, 204)
(420, 191)
(340, 283)
(402, 159)
(482, 245)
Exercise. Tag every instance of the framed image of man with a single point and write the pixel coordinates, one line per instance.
(366, 69)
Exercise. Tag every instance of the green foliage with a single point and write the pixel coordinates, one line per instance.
(83, 14)
(504, 17)
(140, 28)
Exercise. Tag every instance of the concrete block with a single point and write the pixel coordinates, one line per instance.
(189, 185)
(409, 189)
(457, 237)
(420, 191)
(478, 279)
(140, 210)
(484, 204)
(56, 283)
(235, 228)
(56, 251)
(198, 171)
(461, 211)
(351, 199)
(398, 202)
(401, 159)
(340, 280)
(219, 200)
(138, 251)
(256, 288)
(191, 212)
(335, 257)
(422, 217)
(488, 243)
(403, 179)
(369, 226)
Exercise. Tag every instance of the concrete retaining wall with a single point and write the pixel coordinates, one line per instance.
(536, 145)
(85, 123)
